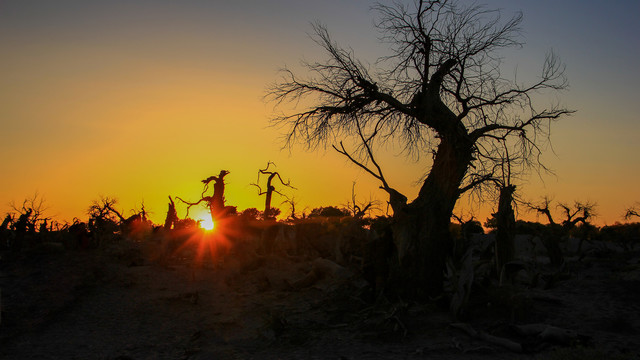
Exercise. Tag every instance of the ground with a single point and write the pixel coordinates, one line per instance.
(118, 303)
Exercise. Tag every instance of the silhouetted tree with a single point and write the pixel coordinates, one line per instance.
(23, 224)
(104, 220)
(8, 219)
(30, 213)
(632, 212)
(5, 232)
(462, 232)
(580, 212)
(172, 216)
(505, 227)
(292, 203)
(103, 214)
(359, 210)
(269, 213)
(217, 209)
(505, 216)
(555, 232)
(552, 236)
(104, 209)
(439, 93)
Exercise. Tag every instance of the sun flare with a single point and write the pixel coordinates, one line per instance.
(207, 224)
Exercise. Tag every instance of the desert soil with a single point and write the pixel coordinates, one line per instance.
(118, 304)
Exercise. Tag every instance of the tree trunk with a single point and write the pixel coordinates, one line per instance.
(267, 203)
(506, 228)
(216, 205)
(172, 216)
(421, 229)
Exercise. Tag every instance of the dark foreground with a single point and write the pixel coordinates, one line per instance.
(117, 303)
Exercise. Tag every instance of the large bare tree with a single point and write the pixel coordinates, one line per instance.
(439, 93)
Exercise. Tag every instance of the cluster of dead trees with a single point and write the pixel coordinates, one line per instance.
(551, 235)
(28, 226)
(216, 202)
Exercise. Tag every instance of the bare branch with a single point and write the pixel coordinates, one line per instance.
(631, 213)
(543, 209)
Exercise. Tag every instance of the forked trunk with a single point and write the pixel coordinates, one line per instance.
(421, 229)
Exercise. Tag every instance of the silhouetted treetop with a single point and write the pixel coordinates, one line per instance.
(443, 74)
(439, 92)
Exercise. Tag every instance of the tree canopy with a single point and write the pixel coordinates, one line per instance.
(442, 76)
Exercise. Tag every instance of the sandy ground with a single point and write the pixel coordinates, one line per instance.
(117, 304)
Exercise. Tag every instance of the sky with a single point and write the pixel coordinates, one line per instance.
(140, 100)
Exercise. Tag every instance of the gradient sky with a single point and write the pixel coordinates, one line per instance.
(143, 99)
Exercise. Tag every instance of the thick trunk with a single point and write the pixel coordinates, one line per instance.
(421, 229)
(267, 203)
(216, 205)
(172, 216)
(506, 224)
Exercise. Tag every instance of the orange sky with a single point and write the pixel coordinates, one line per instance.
(143, 101)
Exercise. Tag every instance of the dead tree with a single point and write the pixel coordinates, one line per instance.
(5, 232)
(103, 210)
(172, 216)
(552, 237)
(269, 213)
(30, 213)
(8, 220)
(506, 228)
(217, 209)
(292, 204)
(505, 216)
(580, 212)
(440, 93)
(466, 230)
(23, 224)
(359, 210)
(632, 212)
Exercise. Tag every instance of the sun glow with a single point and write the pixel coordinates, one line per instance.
(206, 223)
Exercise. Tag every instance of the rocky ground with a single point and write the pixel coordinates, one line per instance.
(118, 303)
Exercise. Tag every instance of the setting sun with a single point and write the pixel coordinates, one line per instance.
(206, 223)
